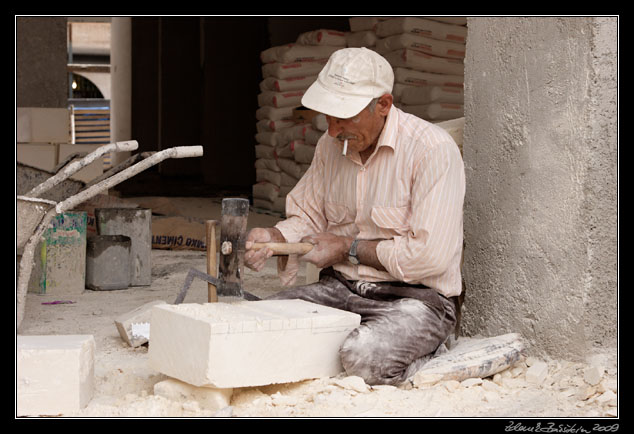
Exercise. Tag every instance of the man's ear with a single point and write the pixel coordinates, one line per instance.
(384, 104)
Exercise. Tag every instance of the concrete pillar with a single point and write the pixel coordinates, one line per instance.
(540, 151)
(121, 83)
(41, 59)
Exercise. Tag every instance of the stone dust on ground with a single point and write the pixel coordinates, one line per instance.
(124, 383)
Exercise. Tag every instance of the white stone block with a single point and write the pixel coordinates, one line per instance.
(209, 398)
(43, 124)
(249, 343)
(39, 155)
(55, 374)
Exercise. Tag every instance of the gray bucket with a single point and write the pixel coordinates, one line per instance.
(135, 223)
(108, 262)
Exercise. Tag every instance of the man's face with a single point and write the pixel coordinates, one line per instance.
(362, 130)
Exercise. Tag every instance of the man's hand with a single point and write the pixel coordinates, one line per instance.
(329, 249)
(255, 259)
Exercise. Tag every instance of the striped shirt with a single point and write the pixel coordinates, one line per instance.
(409, 194)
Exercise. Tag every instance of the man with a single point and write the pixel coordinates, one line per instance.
(382, 205)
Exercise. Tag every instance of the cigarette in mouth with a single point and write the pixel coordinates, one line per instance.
(345, 147)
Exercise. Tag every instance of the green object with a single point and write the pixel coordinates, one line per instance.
(61, 265)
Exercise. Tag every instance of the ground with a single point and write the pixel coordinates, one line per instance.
(124, 383)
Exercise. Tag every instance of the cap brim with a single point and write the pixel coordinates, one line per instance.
(342, 106)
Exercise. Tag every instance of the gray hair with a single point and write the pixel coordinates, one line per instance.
(372, 105)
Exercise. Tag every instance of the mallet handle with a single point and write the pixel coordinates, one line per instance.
(212, 265)
(282, 249)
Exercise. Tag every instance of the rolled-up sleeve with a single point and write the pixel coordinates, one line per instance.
(435, 234)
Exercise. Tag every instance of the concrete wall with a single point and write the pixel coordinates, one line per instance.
(540, 151)
(41, 58)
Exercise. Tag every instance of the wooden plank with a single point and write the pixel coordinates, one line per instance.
(90, 126)
(91, 119)
(93, 128)
(88, 133)
(93, 116)
(212, 266)
(91, 142)
(89, 114)
(93, 122)
(93, 134)
(88, 111)
(101, 134)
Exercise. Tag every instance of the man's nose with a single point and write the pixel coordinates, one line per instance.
(335, 126)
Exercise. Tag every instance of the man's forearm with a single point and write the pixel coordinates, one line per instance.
(366, 252)
(276, 235)
(330, 249)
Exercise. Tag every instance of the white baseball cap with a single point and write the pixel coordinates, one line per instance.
(348, 82)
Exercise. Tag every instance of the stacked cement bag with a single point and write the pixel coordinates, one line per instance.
(305, 152)
(455, 128)
(282, 154)
(427, 55)
(362, 32)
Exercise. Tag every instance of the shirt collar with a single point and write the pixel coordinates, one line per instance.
(387, 136)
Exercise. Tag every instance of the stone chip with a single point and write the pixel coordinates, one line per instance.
(537, 373)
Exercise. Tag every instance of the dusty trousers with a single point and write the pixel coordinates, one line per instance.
(401, 325)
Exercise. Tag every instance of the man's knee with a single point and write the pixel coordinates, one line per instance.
(385, 349)
(365, 356)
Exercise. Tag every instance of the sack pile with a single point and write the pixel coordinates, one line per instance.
(286, 137)
(427, 55)
(362, 32)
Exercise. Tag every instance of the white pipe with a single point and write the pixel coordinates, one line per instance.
(77, 165)
(176, 152)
